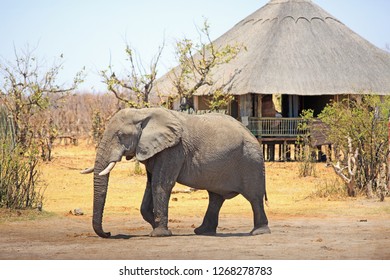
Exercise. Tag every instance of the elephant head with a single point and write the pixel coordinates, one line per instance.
(139, 133)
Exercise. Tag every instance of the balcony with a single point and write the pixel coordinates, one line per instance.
(282, 128)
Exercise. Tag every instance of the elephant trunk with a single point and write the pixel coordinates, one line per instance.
(100, 183)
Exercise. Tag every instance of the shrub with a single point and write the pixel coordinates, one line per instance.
(358, 129)
(19, 177)
(306, 157)
(330, 189)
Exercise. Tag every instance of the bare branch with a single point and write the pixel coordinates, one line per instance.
(196, 62)
(133, 90)
(27, 89)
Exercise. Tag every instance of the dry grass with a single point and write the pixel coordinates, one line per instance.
(289, 194)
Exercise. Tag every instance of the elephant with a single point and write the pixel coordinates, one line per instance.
(213, 152)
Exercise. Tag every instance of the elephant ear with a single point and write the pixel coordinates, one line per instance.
(161, 129)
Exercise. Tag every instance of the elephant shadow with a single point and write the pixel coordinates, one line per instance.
(122, 236)
(236, 234)
(218, 235)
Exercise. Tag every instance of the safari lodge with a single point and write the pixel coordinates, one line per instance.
(297, 56)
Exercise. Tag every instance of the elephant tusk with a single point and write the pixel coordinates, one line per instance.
(108, 169)
(87, 170)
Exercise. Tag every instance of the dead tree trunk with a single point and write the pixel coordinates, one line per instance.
(348, 173)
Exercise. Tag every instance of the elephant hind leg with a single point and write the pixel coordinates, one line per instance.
(210, 221)
(259, 218)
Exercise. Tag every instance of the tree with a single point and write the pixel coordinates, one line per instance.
(358, 128)
(26, 90)
(196, 61)
(81, 115)
(219, 100)
(135, 87)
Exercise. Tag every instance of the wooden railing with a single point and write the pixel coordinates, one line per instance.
(275, 127)
(269, 127)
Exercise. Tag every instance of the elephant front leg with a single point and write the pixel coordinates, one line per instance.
(147, 203)
(210, 221)
(165, 167)
(160, 201)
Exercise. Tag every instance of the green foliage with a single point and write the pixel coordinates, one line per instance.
(219, 100)
(134, 87)
(363, 120)
(26, 94)
(98, 126)
(46, 133)
(26, 91)
(306, 157)
(137, 168)
(196, 60)
(307, 165)
(19, 177)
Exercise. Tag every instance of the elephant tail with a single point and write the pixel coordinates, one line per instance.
(266, 199)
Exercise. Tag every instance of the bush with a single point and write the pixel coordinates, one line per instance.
(306, 156)
(358, 129)
(332, 190)
(19, 177)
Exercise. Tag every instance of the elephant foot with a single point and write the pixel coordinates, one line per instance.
(205, 231)
(261, 230)
(160, 232)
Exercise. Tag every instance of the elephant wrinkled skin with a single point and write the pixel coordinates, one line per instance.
(212, 152)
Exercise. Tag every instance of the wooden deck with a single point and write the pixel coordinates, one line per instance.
(279, 138)
(282, 128)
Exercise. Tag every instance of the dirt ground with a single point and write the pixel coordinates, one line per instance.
(309, 220)
(296, 239)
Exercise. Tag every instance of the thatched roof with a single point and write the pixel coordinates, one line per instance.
(295, 47)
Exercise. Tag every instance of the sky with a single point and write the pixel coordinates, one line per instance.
(94, 33)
